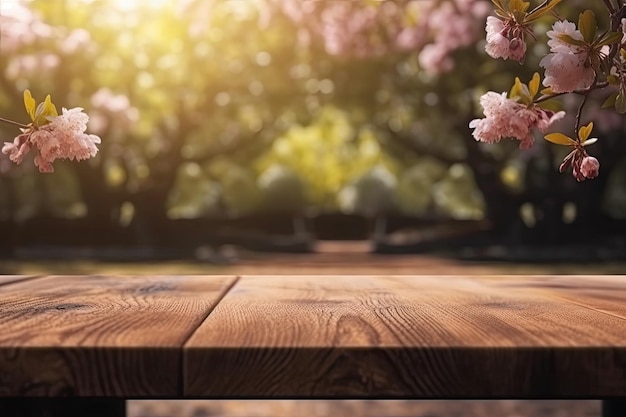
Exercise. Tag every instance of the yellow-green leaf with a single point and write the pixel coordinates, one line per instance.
(29, 103)
(498, 4)
(49, 108)
(610, 100)
(611, 38)
(568, 39)
(587, 25)
(613, 80)
(539, 11)
(585, 131)
(551, 104)
(533, 85)
(547, 91)
(518, 6)
(40, 118)
(559, 139)
(520, 90)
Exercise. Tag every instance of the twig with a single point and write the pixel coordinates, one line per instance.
(596, 86)
(610, 6)
(2, 119)
(579, 113)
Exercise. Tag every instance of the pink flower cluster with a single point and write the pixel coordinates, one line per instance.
(364, 29)
(19, 26)
(445, 27)
(566, 68)
(506, 118)
(505, 40)
(62, 138)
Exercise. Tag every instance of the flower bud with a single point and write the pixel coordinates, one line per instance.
(590, 167)
(517, 50)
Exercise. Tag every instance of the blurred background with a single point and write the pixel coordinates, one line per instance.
(275, 125)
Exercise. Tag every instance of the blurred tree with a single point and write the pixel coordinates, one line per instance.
(231, 107)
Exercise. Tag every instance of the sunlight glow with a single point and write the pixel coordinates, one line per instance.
(130, 5)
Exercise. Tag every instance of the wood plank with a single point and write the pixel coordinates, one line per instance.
(405, 336)
(7, 279)
(100, 335)
(602, 293)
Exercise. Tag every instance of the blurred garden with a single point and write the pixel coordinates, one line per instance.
(271, 124)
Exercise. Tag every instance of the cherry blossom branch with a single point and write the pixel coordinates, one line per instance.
(584, 92)
(580, 112)
(610, 6)
(2, 119)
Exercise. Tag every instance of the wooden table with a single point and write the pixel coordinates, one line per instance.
(98, 340)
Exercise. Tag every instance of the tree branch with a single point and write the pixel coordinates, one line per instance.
(2, 119)
(609, 6)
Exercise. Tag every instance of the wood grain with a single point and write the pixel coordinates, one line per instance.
(411, 336)
(100, 335)
(7, 279)
(602, 293)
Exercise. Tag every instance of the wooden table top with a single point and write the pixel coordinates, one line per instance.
(313, 336)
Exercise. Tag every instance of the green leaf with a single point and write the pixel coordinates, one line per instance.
(613, 80)
(29, 103)
(552, 105)
(610, 100)
(559, 139)
(620, 103)
(610, 38)
(568, 39)
(588, 25)
(541, 11)
(585, 131)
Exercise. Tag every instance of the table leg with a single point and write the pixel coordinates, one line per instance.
(62, 407)
(614, 408)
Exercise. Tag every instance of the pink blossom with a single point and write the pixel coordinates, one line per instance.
(18, 149)
(62, 138)
(435, 59)
(504, 40)
(590, 167)
(566, 68)
(506, 118)
(564, 27)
